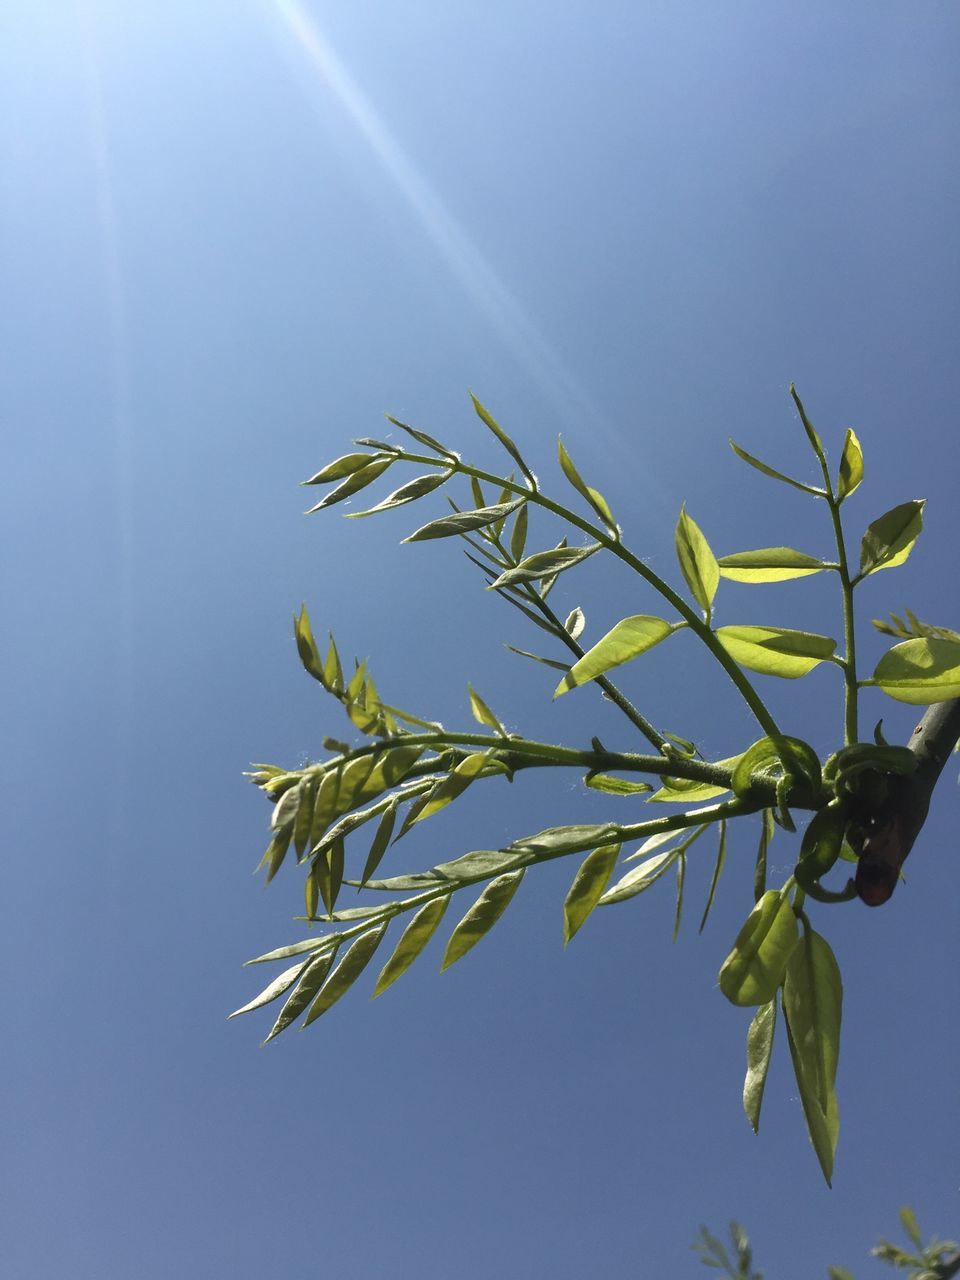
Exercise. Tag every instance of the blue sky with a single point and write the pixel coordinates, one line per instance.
(234, 235)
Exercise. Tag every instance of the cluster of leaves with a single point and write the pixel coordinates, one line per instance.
(410, 768)
(937, 1260)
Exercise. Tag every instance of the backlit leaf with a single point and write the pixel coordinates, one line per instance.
(412, 941)
(557, 840)
(697, 561)
(354, 483)
(812, 1004)
(518, 536)
(909, 1220)
(464, 521)
(596, 499)
(627, 640)
(328, 872)
(340, 468)
(574, 623)
(314, 973)
(354, 961)
(920, 671)
(681, 879)
(409, 492)
(759, 1051)
(889, 540)
(303, 822)
(422, 438)
(482, 713)
(470, 866)
(488, 420)
(447, 790)
(294, 949)
(770, 471)
(768, 564)
(775, 651)
(612, 786)
(544, 564)
(536, 657)
(717, 872)
(640, 877)
(275, 989)
(755, 967)
(381, 841)
(587, 888)
(276, 852)
(851, 466)
(481, 917)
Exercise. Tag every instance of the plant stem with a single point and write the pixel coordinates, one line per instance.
(689, 615)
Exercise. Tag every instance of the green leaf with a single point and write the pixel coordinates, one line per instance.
(482, 713)
(685, 790)
(314, 973)
(766, 759)
(612, 786)
(481, 917)
(307, 646)
(286, 809)
(717, 872)
(640, 877)
(911, 1226)
(587, 888)
(447, 790)
(327, 871)
(354, 962)
(381, 840)
(574, 623)
(777, 475)
(276, 988)
(409, 492)
(851, 466)
(697, 561)
(422, 438)
(775, 651)
(812, 1004)
(354, 483)
(348, 465)
(768, 827)
(920, 671)
(627, 640)
(325, 804)
(754, 969)
(768, 564)
(681, 878)
(816, 443)
(489, 421)
(412, 941)
(889, 540)
(294, 949)
(536, 657)
(470, 866)
(303, 823)
(557, 840)
(759, 1052)
(544, 564)
(596, 499)
(839, 1273)
(464, 521)
(276, 852)
(518, 537)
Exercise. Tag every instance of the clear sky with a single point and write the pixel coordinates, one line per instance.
(233, 235)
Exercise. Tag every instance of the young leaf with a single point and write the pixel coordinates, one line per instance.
(303, 823)
(489, 421)
(587, 888)
(596, 500)
(766, 757)
(468, 867)
(889, 540)
(314, 973)
(295, 949)
(759, 1052)
(627, 640)
(409, 492)
(557, 840)
(447, 790)
(483, 714)
(422, 438)
(612, 786)
(307, 646)
(328, 872)
(354, 962)
(381, 840)
(681, 878)
(768, 564)
(481, 917)
(276, 852)
(464, 521)
(851, 466)
(775, 651)
(717, 872)
(911, 1226)
(412, 941)
(276, 988)
(777, 475)
(340, 468)
(697, 561)
(754, 969)
(544, 564)
(686, 790)
(815, 442)
(812, 1004)
(641, 877)
(574, 623)
(920, 671)
(536, 657)
(354, 483)
(518, 537)
(767, 828)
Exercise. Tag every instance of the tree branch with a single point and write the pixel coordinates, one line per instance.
(890, 830)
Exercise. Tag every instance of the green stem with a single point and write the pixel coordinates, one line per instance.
(690, 616)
